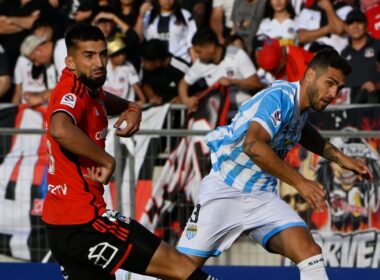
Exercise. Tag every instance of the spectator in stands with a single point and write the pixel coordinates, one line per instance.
(246, 17)
(5, 77)
(361, 53)
(16, 21)
(34, 75)
(199, 9)
(167, 21)
(228, 66)
(322, 24)
(283, 62)
(279, 22)
(161, 73)
(220, 20)
(122, 79)
(113, 25)
(236, 41)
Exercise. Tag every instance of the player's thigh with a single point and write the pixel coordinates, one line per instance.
(295, 243)
(169, 262)
(216, 222)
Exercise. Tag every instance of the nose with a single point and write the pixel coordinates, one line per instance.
(98, 61)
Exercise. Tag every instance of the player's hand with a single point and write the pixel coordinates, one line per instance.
(100, 174)
(314, 194)
(369, 86)
(128, 122)
(191, 103)
(359, 167)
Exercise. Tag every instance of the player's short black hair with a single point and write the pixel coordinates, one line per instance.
(329, 57)
(82, 32)
(205, 36)
(155, 49)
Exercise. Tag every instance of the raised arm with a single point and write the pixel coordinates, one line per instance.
(256, 146)
(313, 141)
(129, 112)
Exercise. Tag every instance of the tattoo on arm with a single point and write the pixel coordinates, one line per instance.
(331, 153)
(249, 146)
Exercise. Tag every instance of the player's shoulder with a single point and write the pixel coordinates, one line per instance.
(69, 89)
(283, 90)
(179, 64)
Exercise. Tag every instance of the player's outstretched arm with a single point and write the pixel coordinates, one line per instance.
(257, 148)
(313, 141)
(129, 113)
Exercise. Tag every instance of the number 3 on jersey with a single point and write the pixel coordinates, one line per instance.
(195, 215)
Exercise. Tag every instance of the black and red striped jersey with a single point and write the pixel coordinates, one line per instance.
(72, 198)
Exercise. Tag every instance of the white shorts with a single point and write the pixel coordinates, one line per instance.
(223, 213)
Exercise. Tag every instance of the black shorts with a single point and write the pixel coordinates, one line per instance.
(96, 250)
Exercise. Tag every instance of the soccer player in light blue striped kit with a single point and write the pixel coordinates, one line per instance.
(240, 193)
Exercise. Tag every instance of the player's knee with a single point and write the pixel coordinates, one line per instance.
(310, 249)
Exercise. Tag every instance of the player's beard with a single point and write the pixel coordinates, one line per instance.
(93, 83)
(313, 96)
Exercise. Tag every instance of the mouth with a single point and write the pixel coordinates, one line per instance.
(98, 74)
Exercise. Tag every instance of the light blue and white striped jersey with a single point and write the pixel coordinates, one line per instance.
(276, 108)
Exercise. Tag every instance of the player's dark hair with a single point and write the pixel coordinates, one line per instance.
(155, 49)
(205, 36)
(329, 57)
(82, 32)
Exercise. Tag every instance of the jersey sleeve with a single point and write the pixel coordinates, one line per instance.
(246, 66)
(69, 103)
(274, 109)
(17, 75)
(193, 74)
(133, 77)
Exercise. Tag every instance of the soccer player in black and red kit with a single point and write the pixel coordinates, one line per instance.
(87, 240)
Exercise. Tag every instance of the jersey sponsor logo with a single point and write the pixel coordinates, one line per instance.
(101, 134)
(69, 99)
(57, 190)
(102, 254)
(314, 262)
(191, 231)
(276, 117)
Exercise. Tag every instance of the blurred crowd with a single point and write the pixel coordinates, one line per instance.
(164, 51)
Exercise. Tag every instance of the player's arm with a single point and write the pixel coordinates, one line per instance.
(129, 112)
(73, 139)
(313, 141)
(250, 83)
(256, 146)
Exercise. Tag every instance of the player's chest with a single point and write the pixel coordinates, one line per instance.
(95, 121)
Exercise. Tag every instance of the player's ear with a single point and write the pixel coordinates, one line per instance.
(310, 74)
(70, 64)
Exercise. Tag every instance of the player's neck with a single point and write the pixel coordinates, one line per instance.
(304, 101)
(219, 54)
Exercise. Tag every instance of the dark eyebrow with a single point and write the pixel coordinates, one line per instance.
(334, 80)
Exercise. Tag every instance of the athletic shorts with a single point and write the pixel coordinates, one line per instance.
(96, 250)
(223, 213)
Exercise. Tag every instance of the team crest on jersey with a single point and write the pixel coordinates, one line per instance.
(69, 99)
(191, 231)
(276, 117)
